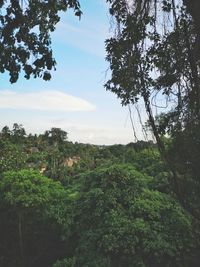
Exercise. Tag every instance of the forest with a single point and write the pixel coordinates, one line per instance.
(65, 204)
(71, 204)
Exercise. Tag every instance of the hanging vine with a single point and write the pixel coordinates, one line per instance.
(153, 57)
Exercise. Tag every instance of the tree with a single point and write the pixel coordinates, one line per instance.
(193, 8)
(18, 132)
(57, 135)
(25, 42)
(153, 60)
(5, 132)
(122, 222)
(31, 204)
(12, 156)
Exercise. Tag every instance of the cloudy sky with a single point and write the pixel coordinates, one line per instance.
(75, 99)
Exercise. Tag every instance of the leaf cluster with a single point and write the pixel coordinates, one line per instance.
(25, 42)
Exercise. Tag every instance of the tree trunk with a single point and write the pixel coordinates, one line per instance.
(193, 8)
(21, 245)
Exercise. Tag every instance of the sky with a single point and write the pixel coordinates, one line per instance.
(75, 98)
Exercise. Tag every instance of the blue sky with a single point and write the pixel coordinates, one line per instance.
(75, 99)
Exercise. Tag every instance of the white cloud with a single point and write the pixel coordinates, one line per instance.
(44, 100)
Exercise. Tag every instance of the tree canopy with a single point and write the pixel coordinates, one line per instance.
(154, 58)
(25, 41)
(114, 206)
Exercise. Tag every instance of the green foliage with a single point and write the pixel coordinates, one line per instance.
(153, 57)
(55, 136)
(34, 211)
(132, 62)
(124, 223)
(65, 263)
(27, 189)
(114, 207)
(25, 42)
(12, 157)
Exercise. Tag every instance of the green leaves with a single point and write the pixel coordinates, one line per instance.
(25, 36)
(153, 57)
(28, 189)
(105, 213)
(166, 5)
(119, 217)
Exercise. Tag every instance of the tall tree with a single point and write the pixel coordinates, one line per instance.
(154, 56)
(31, 204)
